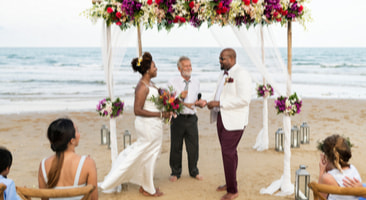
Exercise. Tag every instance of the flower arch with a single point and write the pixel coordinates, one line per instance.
(166, 14)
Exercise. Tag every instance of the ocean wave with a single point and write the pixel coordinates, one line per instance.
(343, 65)
(16, 56)
(70, 82)
(305, 63)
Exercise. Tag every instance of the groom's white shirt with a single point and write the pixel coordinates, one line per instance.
(234, 99)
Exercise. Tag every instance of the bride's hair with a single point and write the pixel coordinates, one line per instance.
(338, 151)
(142, 64)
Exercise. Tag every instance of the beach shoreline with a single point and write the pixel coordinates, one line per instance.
(24, 134)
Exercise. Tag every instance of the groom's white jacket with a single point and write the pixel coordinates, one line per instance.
(234, 99)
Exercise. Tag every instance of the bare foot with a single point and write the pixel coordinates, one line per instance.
(199, 177)
(229, 196)
(156, 194)
(221, 188)
(173, 178)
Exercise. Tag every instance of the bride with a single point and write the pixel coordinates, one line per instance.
(136, 164)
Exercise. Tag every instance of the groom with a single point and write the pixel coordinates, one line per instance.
(230, 110)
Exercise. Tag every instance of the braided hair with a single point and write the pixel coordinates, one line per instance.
(338, 151)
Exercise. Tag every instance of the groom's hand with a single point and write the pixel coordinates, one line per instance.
(213, 104)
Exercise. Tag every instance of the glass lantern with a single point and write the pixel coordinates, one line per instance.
(305, 133)
(109, 139)
(302, 179)
(126, 137)
(295, 137)
(279, 140)
(103, 134)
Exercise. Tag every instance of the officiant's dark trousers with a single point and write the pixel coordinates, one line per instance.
(229, 141)
(184, 127)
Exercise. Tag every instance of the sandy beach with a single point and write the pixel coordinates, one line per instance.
(25, 136)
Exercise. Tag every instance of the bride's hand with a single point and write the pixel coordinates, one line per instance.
(165, 114)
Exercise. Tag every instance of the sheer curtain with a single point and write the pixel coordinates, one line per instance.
(114, 46)
(263, 60)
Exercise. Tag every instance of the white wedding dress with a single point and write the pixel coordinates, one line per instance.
(136, 163)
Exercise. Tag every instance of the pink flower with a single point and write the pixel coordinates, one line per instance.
(300, 8)
(176, 19)
(255, 1)
(109, 10)
(118, 15)
(149, 2)
(292, 1)
(182, 19)
(191, 4)
(118, 23)
(246, 2)
(220, 5)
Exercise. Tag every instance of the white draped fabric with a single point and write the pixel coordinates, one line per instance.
(114, 44)
(275, 74)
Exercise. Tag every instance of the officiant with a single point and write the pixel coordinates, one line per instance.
(184, 126)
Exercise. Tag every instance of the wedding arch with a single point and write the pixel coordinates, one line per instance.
(130, 15)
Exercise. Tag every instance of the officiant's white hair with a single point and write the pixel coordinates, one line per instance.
(181, 59)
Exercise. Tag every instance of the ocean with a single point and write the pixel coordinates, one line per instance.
(53, 79)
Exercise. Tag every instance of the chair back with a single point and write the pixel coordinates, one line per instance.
(28, 193)
(330, 189)
(2, 189)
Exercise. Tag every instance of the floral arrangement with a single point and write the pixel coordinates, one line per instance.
(167, 13)
(246, 12)
(272, 10)
(264, 90)
(168, 101)
(229, 80)
(289, 106)
(108, 108)
(189, 10)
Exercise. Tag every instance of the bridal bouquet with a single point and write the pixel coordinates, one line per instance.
(168, 101)
(108, 108)
(290, 106)
(264, 90)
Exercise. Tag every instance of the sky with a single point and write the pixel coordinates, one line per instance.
(51, 23)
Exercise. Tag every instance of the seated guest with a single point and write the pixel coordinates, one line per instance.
(334, 164)
(6, 160)
(66, 169)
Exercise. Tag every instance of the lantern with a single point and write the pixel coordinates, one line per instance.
(126, 136)
(302, 179)
(295, 137)
(103, 134)
(279, 139)
(305, 133)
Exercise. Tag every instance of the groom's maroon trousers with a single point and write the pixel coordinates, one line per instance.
(229, 141)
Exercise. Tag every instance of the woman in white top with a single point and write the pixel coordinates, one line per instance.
(66, 169)
(334, 165)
